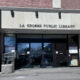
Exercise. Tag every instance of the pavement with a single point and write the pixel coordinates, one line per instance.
(68, 73)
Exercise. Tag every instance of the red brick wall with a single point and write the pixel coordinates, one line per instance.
(66, 4)
(27, 3)
(70, 4)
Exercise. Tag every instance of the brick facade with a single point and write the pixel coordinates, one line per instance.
(27, 3)
(65, 4)
(70, 4)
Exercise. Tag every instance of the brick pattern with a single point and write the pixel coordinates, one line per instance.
(65, 4)
(70, 4)
(27, 3)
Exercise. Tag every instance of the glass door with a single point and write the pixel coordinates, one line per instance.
(23, 54)
(36, 53)
(48, 56)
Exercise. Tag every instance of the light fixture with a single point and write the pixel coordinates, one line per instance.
(36, 14)
(59, 14)
(12, 13)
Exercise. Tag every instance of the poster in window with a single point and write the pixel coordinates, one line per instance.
(73, 50)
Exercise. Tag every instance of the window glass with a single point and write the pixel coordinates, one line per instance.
(9, 43)
(23, 47)
(73, 49)
(36, 46)
(48, 48)
(48, 56)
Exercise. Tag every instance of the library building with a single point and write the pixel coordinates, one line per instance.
(39, 34)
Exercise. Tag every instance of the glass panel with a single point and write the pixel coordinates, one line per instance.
(36, 50)
(9, 49)
(9, 43)
(73, 49)
(23, 48)
(36, 47)
(23, 53)
(48, 57)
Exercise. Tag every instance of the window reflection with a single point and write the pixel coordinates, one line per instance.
(36, 48)
(23, 48)
(48, 57)
(47, 48)
(9, 43)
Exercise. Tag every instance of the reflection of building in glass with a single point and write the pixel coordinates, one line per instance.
(9, 43)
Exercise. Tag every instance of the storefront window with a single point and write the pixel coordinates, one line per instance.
(9, 44)
(23, 48)
(73, 49)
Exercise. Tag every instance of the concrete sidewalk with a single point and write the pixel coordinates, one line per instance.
(69, 73)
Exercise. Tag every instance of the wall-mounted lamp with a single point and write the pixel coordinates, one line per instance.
(12, 13)
(37, 14)
(59, 14)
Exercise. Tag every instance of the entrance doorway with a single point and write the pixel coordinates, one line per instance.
(61, 54)
(22, 56)
(48, 54)
(35, 54)
(44, 51)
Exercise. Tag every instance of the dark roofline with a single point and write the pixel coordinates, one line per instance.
(40, 9)
(39, 31)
